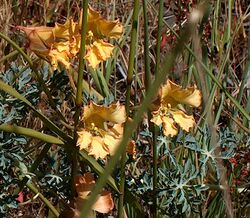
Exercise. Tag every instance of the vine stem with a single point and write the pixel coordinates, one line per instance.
(44, 199)
(79, 89)
(132, 54)
(153, 129)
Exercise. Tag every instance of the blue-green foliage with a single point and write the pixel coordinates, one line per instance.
(224, 149)
(13, 161)
(12, 111)
(179, 189)
(59, 87)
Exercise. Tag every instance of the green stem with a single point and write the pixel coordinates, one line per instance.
(131, 63)
(48, 123)
(34, 166)
(103, 83)
(243, 81)
(81, 61)
(157, 71)
(45, 200)
(93, 74)
(79, 91)
(158, 42)
(160, 78)
(227, 42)
(31, 133)
(12, 54)
(146, 46)
(132, 51)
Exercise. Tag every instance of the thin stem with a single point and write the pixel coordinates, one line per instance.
(45, 200)
(103, 83)
(146, 46)
(132, 55)
(132, 51)
(158, 60)
(160, 78)
(243, 82)
(158, 42)
(48, 123)
(31, 133)
(79, 91)
(81, 61)
(12, 54)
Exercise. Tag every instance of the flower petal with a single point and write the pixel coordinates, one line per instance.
(101, 27)
(84, 139)
(156, 119)
(64, 32)
(169, 129)
(99, 114)
(40, 38)
(116, 131)
(97, 52)
(184, 121)
(84, 184)
(104, 203)
(111, 143)
(174, 94)
(58, 57)
(97, 148)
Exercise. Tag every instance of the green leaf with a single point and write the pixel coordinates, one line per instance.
(31, 133)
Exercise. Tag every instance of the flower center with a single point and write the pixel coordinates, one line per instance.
(94, 130)
(165, 111)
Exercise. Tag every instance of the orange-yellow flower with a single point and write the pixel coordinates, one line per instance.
(54, 44)
(40, 39)
(168, 113)
(84, 184)
(98, 29)
(61, 43)
(103, 129)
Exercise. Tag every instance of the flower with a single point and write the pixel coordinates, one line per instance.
(61, 43)
(54, 44)
(103, 129)
(168, 114)
(99, 28)
(40, 38)
(84, 184)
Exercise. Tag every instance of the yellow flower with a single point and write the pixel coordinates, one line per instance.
(174, 94)
(84, 185)
(99, 28)
(40, 38)
(54, 44)
(61, 43)
(168, 114)
(103, 129)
